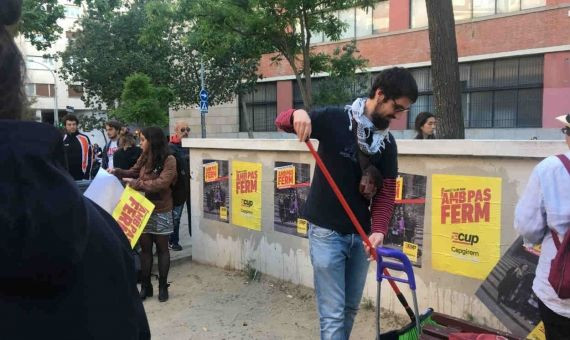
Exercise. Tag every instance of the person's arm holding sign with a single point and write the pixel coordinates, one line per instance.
(162, 182)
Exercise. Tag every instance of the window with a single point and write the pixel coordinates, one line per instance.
(261, 108)
(31, 90)
(74, 91)
(45, 90)
(72, 12)
(333, 93)
(503, 93)
(32, 62)
(381, 17)
(347, 17)
(361, 22)
(467, 9)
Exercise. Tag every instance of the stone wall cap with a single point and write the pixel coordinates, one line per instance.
(447, 147)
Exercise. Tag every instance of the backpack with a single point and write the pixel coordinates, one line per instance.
(559, 276)
(180, 187)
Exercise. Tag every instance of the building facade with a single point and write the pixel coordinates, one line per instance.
(514, 67)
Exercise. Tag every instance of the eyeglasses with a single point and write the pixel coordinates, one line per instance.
(185, 130)
(566, 130)
(399, 108)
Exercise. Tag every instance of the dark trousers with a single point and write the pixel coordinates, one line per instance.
(556, 326)
(176, 217)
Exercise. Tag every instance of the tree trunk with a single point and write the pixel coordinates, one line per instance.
(246, 119)
(445, 69)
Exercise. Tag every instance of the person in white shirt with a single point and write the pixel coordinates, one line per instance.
(113, 128)
(545, 205)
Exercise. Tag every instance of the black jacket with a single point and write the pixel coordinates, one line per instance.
(67, 270)
(126, 159)
(78, 155)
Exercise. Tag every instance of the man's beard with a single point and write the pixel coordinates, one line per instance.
(381, 123)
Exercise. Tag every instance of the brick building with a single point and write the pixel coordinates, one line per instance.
(514, 67)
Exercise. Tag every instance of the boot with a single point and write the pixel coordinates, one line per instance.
(146, 289)
(162, 289)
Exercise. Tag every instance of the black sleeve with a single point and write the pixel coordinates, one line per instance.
(319, 123)
(387, 160)
(105, 158)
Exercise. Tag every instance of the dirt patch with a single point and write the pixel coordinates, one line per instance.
(213, 303)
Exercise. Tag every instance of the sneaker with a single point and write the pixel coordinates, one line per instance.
(176, 247)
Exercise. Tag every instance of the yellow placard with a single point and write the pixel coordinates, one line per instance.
(538, 332)
(466, 224)
(132, 214)
(399, 188)
(246, 191)
(285, 177)
(411, 251)
(211, 172)
(302, 226)
(223, 213)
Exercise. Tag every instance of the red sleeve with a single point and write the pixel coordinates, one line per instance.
(284, 121)
(383, 206)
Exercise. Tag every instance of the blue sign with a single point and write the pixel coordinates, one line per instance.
(203, 95)
(203, 106)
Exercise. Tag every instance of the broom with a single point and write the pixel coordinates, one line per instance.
(405, 333)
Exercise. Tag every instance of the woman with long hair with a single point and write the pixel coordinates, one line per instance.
(154, 173)
(425, 125)
(67, 268)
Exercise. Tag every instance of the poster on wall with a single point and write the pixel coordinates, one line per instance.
(292, 185)
(406, 229)
(507, 291)
(246, 194)
(466, 224)
(216, 200)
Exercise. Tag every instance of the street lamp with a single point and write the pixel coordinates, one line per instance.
(55, 108)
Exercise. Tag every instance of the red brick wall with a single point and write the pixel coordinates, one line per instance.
(556, 97)
(399, 15)
(284, 95)
(518, 32)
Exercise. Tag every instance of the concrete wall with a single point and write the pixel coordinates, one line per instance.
(286, 257)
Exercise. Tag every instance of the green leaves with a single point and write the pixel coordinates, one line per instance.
(39, 22)
(142, 103)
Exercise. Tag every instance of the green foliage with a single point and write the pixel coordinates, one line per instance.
(94, 121)
(107, 50)
(39, 22)
(282, 27)
(343, 83)
(142, 103)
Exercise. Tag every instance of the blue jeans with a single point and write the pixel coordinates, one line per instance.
(339, 268)
(176, 215)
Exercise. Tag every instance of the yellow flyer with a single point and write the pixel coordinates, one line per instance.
(132, 214)
(302, 226)
(538, 333)
(411, 251)
(466, 224)
(211, 172)
(285, 177)
(246, 194)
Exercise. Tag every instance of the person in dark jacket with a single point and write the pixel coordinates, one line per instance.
(128, 153)
(67, 269)
(181, 130)
(78, 152)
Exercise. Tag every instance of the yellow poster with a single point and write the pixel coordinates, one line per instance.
(211, 172)
(246, 194)
(466, 224)
(132, 214)
(399, 188)
(223, 213)
(538, 333)
(302, 226)
(411, 251)
(285, 177)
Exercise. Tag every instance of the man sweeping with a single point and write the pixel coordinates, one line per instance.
(361, 154)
